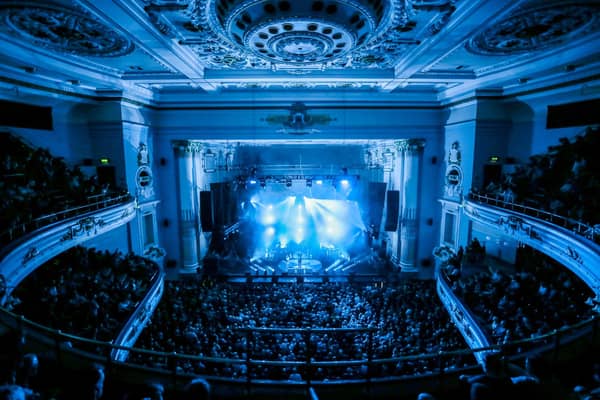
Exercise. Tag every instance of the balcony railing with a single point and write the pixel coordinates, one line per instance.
(55, 342)
(462, 316)
(578, 227)
(93, 203)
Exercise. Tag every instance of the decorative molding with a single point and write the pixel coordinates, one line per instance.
(299, 37)
(534, 28)
(85, 226)
(143, 157)
(63, 29)
(453, 183)
(299, 121)
(187, 146)
(30, 255)
(144, 182)
(333, 84)
(412, 146)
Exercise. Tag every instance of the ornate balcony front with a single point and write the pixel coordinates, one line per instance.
(31, 251)
(578, 253)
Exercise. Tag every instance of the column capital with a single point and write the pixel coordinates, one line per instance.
(186, 146)
(410, 145)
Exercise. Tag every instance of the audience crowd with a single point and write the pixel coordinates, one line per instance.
(202, 317)
(84, 292)
(563, 181)
(536, 297)
(34, 184)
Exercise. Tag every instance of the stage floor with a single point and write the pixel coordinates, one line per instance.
(300, 266)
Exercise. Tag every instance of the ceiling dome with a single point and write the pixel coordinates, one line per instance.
(299, 32)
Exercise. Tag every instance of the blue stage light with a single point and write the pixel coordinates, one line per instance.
(345, 182)
(319, 181)
(299, 235)
(268, 218)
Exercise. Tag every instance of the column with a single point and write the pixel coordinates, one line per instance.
(411, 151)
(395, 183)
(206, 172)
(188, 210)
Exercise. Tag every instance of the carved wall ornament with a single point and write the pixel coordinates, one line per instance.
(30, 255)
(127, 212)
(62, 29)
(187, 146)
(572, 253)
(453, 183)
(454, 156)
(515, 225)
(299, 121)
(535, 28)
(143, 157)
(144, 182)
(84, 226)
(410, 145)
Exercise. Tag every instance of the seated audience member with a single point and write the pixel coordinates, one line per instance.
(493, 384)
(197, 389)
(85, 292)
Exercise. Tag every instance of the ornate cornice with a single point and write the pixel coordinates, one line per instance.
(187, 146)
(410, 145)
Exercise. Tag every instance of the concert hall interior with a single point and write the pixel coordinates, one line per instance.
(313, 199)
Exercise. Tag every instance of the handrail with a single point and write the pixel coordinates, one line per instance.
(578, 227)
(479, 335)
(20, 323)
(11, 234)
(306, 330)
(140, 316)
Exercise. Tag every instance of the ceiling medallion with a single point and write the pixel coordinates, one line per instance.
(62, 29)
(309, 35)
(299, 32)
(536, 28)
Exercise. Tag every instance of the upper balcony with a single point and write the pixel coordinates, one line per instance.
(569, 242)
(73, 227)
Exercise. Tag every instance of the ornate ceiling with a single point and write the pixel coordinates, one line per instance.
(435, 48)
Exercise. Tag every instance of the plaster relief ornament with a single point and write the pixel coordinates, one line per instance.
(454, 154)
(143, 157)
(454, 174)
(299, 121)
(62, 29)
(301, 36)
(533, 28)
